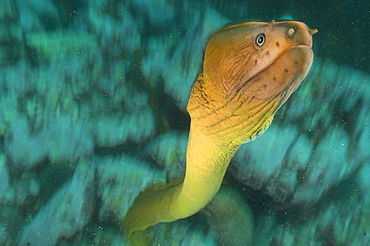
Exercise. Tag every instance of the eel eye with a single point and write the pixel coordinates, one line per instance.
(260, 39)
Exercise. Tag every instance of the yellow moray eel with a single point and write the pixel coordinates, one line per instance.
(249, 71)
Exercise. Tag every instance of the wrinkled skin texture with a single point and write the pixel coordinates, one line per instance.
(250, 69)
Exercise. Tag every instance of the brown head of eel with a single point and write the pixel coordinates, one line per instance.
(251, 68)
(249, 71)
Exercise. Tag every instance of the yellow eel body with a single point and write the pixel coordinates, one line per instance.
(250, 69)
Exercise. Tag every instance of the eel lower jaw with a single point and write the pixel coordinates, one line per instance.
(301, 46)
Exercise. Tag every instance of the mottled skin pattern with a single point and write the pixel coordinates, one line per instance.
(249, 71)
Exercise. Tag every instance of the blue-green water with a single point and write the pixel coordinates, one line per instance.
(92, 111)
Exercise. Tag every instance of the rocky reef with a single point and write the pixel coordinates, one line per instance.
(92, 112)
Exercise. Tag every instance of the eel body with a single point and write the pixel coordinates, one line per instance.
(250, 69)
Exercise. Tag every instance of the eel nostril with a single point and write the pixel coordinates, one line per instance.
(313, 31)
(291, 31)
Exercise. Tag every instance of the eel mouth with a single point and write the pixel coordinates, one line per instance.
(301, 35)
(299, 46)
(268, 66)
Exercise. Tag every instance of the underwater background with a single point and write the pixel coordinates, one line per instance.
(92, 111)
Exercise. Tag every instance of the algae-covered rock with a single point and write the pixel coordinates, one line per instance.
(265, 168)
(100, 82)
(136, 126)
(32, 14)
(120, 181)
(169, 152)
(182, 232)
(6, 191)
(58, 45)
(67, 212)
(177, 59)
(59, 140)
(231, 218)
